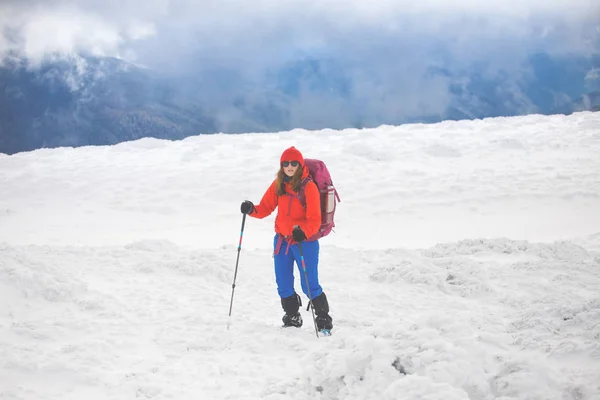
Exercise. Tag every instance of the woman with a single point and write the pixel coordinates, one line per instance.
(294, 224)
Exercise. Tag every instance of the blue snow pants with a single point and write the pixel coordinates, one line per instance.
(284, 267)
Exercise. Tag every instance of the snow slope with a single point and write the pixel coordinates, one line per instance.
(465, 265)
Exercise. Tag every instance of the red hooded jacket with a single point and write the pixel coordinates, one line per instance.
(289, 209)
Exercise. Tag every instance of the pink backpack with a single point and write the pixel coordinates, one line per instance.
(319, 174)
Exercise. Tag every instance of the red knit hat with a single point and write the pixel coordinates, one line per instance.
(292, 154)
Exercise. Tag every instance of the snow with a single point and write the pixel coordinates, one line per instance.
(465, 265)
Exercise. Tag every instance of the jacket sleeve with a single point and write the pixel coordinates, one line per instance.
(267, 203)
(313, 210)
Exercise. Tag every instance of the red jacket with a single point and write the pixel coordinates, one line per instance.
(289, 209)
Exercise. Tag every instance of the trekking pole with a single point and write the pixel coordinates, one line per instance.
(236, 267)
(308, 289)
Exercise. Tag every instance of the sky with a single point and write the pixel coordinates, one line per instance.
(463, 266)
(231, 31)
(398, 58)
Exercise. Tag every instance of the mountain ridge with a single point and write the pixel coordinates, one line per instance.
(80, 101)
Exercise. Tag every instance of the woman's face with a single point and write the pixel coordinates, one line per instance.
(290, 167)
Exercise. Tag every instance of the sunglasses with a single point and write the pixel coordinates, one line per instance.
(287, 163)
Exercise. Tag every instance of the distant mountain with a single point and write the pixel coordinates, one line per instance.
(91, 102)
(324, 93)
(100, 101)
(586, 102)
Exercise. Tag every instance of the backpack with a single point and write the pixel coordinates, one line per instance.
(319, 174)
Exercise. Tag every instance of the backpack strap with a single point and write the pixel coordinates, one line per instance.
(280, 239)
(301, 195)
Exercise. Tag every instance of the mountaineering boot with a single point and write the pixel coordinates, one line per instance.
(291, 305)
(321, 306)
(292, 320)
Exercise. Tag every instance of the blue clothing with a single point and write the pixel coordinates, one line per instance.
(284, 268)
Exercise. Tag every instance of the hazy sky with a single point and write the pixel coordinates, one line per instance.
(239, 30)
(388, 43)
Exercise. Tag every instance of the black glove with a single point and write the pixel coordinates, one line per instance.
(247, 207)
(298, 235)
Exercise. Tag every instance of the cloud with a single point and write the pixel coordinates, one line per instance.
(238, 27)
(397, 57)
(37, 30)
